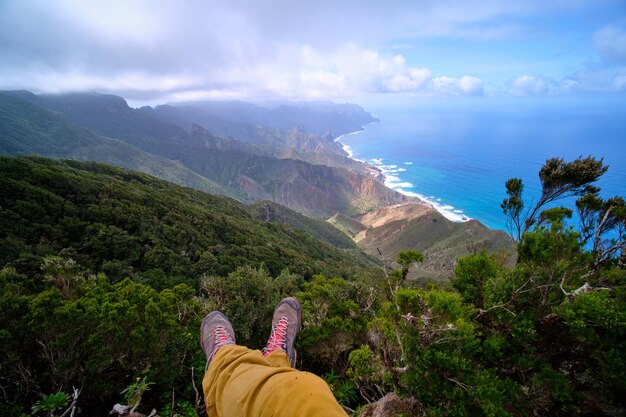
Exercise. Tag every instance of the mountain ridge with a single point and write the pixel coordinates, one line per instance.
(269, 164)
(26, 130)
(110, 116)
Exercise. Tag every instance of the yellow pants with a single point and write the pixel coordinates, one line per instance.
(243, 383)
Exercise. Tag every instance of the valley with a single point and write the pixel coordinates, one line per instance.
(286, 154)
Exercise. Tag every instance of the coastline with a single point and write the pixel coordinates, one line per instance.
(369, 167)
(385, 173)
(346, 148)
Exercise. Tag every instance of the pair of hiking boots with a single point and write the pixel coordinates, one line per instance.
(216, 331)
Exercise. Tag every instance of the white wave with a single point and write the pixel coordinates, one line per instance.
(394, 185)
(445, 210)
(338, 138)
(394, 182)
(348, 150)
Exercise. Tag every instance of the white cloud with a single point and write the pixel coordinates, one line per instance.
(350, 71)
(528, 85)
(249, 48)
(619, 82)
(346, 72)
(464, 86)
(596, 80)
(409, 79)
(225, 52)
(610, 41)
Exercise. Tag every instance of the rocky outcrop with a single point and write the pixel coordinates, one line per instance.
(392, 405)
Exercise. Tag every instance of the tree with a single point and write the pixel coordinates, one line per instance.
(601, 218)
(397, 277)
(407, 258)
(513, 205)
(472, 272)
(559, 179)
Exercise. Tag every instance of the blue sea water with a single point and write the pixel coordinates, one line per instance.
(458, 153)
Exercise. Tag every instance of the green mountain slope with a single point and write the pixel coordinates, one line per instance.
(275, 213)
(289, 136)
(246, 171)
(129, 224)
(107, 115)
(441, 241)
(28, 129)
(289, 126)
(294, 142)
(242, 170)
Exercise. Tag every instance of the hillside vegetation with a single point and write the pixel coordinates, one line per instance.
(440, 240)
(106, 274)
(125, 224)
(275, 213)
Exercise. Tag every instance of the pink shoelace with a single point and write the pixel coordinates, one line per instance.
(221, 337)
(278, 338)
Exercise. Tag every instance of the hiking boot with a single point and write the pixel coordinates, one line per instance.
(215, 332)
(286, 323)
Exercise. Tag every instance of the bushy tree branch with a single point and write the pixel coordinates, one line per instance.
(559, 179)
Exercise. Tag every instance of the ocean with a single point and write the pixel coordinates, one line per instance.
(457, 153)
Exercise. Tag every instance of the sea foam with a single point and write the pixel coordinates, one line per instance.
(395, 183)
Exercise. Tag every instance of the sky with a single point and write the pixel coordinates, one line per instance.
(155, 51)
